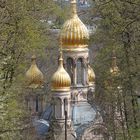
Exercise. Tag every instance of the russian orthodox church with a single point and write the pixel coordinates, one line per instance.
(69, 115)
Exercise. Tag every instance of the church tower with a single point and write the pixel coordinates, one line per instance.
(114, 70)
(60, 87)
(119, 115)
(74, 36)
(35, 98)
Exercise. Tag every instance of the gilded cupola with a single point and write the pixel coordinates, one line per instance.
(34, 77)
(114, 68)
(91, 76)
(74, 33)
(61, 80)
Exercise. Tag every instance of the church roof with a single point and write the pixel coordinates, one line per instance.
(42, 125)
(82, 114)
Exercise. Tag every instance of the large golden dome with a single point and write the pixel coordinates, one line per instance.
(74, 33)
(91, 76)
(60, 80)
(34, 77)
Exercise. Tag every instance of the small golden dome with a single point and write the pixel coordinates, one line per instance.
(61, 80)
(114, 70)
(74, 33)
(91, 76)
(34, 76)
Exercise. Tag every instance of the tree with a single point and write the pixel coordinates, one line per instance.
(21, 31)
(119, 29)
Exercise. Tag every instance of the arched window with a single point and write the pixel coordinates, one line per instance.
(79, 72)
(70, 68)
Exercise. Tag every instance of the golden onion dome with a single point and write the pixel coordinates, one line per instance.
(74, 33)
(91, 76)
(61, 80)
(34, 77)
(114, 70)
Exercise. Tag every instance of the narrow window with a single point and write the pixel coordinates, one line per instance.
(36, 103)
(66, 106)
(79, 72)
(70, 68)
